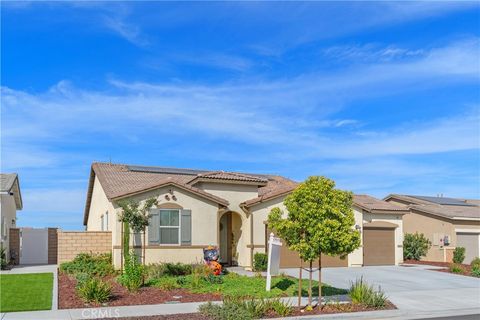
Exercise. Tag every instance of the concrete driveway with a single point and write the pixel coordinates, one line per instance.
(410, 288)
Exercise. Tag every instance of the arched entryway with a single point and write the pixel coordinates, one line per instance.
(230, 233)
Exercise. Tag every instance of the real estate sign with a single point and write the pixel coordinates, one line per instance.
(273, 268)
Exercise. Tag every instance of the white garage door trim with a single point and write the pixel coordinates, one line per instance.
(33, 246)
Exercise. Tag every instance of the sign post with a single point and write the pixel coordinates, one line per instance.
(273, 269)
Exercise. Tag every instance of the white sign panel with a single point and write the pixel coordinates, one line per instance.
(273, 269)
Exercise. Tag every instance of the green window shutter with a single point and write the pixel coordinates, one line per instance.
(154, 227)
(186, 228)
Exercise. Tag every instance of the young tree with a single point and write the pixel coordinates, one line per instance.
(135, 218)
(320, 221)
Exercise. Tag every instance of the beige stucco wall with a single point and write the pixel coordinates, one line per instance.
(355, 259)
(204, 227)
(260, 214)
(100, 205)
(430, 225)
(234, 193)
(8, 210)
(395, 219)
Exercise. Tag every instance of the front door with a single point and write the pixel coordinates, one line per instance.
(226, 238)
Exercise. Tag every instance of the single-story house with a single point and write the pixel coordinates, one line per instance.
(10, 202)
(446, 222)
(197, 208)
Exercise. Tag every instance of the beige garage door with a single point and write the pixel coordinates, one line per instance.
(290, 259)
(470, 242)
(378, 246)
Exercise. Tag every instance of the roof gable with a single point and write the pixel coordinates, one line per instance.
(9, 182)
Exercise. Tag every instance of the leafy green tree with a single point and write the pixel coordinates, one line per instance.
(415, 246)
(320, 220)
(134, 217)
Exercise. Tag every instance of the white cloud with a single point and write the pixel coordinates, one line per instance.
(283, 114)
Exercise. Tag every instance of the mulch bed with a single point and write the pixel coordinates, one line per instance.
(68, 299)
(467, 269)
(328, 309)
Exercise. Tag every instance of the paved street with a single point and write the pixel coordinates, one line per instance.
(411, 289)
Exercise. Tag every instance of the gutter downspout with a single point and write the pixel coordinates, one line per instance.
(249, 214)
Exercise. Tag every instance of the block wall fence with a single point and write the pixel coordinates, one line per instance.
(71, 243)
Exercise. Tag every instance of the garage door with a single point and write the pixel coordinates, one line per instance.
(33, 246)
(290, 259)
(470, 242)
(378, 246)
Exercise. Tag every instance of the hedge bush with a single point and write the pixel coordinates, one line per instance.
(475, 263)
(415, 246)
(459, 255)
(260, 262)
(90, 263)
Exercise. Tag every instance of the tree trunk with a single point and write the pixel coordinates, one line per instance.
(300, 286)
(320, 281)
(126, 241)
(310, 285)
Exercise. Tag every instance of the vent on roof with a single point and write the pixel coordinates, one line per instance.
(445, 201)
(165, 170)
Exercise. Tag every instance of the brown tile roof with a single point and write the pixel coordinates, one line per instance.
(373, 205)
(119, 180)
(229, 176)
(460, 209)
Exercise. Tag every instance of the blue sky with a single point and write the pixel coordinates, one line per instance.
(381, 97)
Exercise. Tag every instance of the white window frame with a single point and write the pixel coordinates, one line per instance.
(102, 223)
(170, 227)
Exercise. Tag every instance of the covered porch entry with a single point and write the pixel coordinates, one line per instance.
(230, 235)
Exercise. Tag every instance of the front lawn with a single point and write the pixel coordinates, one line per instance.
(238, 285)
(26, 292)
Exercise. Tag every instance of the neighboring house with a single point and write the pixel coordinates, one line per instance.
(10, 202)
(197, 208)
(447, 222)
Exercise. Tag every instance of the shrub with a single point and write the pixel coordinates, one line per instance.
(459, 255)
(3, 259)
(81, 278)
(213, 279)
(94, 290)
(93, 264)
(132, 277)
(234, 307)
(415, 246)
(476, 271)
(455, 268)
(362, 293)
(281, 308)
(167, 283)
(225, 311)
(260, 262)
(475, 262)
(158, 270)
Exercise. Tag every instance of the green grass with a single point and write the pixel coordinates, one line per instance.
(237, 285)
(26, 292)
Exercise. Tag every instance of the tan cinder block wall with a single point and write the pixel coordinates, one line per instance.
(71, 243)
(52, 245)
(14, 240)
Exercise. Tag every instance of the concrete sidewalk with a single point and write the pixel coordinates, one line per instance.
(182, 308)
(131, 311)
